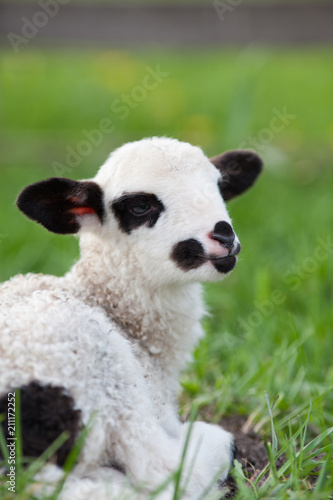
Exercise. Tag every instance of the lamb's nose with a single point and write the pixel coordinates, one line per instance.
(224, 233)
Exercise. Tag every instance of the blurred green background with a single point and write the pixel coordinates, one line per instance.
(219, 99)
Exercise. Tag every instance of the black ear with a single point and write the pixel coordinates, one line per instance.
(56, 203)
(239, 171)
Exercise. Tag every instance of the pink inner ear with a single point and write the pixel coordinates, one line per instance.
(82, 210)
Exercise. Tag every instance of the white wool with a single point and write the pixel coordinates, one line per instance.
(119, 327)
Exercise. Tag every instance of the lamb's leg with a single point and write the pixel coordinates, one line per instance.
(132, 438)
(104, 483)
(210, 453)
(125, 430)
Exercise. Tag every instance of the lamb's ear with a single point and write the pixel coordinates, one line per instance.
(58, 203)
(239, 171)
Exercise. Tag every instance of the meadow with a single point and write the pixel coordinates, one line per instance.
(269, 335)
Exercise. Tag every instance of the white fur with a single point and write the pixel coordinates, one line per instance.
(119, 327)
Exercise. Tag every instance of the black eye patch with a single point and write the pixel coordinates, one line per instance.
(137, 209)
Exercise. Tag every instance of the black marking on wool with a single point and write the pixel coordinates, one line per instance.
(46, 412)
(224, 233)
(137, 209)
(56, 203)
(188, 254)
(239, 171)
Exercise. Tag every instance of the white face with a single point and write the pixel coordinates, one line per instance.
(155, 208)
(164, 208)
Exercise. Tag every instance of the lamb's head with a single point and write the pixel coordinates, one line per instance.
(160, 202)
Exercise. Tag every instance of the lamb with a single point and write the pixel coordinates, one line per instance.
(104, 345)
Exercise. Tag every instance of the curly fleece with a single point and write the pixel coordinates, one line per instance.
(117, 329)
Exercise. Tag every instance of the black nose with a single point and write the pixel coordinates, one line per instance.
(224, 233)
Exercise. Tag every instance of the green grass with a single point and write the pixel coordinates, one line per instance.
(271, 324)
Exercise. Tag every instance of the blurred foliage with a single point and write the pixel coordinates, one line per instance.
(218, 100)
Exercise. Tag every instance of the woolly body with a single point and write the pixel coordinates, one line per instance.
(119, 327)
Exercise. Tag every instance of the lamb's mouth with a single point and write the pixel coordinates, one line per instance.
(224, 264)
(189, 254)
(227, 263)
